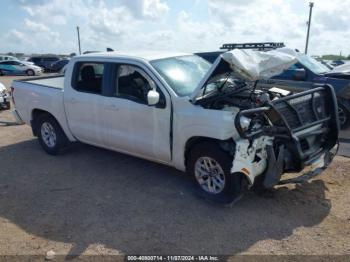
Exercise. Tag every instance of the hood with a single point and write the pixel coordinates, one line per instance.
(248, 65)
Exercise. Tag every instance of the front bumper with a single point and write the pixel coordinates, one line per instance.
(39, 72)
(274, 172)
(304, 128)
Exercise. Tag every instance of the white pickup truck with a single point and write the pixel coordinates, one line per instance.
(179, 110)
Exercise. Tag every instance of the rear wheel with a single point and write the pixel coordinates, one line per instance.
(344, 116)
(30, 72)
(50, 134)
(210, 167)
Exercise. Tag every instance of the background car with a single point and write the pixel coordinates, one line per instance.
(310, 70)
(58, 65)
(4, 98)
(337, 63)
(19, 68)
(345, 69)
(12, 58)
(8, 58)
(44, 61)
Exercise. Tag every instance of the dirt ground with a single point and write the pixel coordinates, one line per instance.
(94, 201)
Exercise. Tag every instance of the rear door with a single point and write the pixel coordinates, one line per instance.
(84, 102)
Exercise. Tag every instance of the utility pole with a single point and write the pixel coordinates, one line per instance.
(79, 40)
(311, 4)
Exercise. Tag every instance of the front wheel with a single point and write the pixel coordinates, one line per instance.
(30, 72)
(344, 116)
(210, 167)
(50, 134)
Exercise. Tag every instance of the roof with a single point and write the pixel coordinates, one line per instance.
(145, 55)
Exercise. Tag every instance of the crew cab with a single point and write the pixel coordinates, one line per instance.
(177, 109)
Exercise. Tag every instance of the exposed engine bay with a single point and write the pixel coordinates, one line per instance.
(232, 92)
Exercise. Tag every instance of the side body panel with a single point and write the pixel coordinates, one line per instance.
(29, 97)
(118, 123)
(194, 121)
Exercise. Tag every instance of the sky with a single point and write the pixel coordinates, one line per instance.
(49, 26)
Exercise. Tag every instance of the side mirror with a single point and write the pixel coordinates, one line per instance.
(299, 74)
(152, 97)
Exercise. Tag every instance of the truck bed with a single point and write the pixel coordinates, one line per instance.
(56, 81)
(43, 93)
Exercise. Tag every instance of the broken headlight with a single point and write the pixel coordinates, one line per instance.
(244, 122)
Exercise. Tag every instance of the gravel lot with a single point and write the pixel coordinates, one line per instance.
(94, 201)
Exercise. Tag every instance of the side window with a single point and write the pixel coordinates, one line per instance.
(88, 77)
(132, 83)
(34, 59)
(51, 59)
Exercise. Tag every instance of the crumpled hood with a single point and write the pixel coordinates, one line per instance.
(250, 65)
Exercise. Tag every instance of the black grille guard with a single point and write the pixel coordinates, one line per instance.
(295, 133)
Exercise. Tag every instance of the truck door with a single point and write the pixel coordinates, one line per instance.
(84, 103)
(132, 125)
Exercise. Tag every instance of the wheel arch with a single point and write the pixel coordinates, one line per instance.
(227, 145)
(35, 115)
(62, 121)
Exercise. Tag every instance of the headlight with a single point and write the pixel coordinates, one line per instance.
(244, 122)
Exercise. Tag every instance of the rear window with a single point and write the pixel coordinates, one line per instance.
(88, 77)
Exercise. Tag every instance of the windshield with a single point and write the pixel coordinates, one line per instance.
(312, 64)
(182, 73)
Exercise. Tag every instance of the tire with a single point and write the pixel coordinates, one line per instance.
(344, 116)
(30, 72)
(7, 106)
(231, 186)
(50, 135)
(1, 73)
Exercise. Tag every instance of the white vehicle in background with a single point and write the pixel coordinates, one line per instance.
(13, 58)
(8, 58)
(4, 98)
(212, 121)
(13, 67)
(343, 69)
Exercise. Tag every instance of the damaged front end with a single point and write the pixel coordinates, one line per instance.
(303, 129)
(279, 132)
